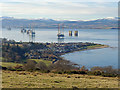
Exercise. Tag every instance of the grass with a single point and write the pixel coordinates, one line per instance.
(24, 79)
(0, 58)
(45, 61)
(9, 64)
(96, 46)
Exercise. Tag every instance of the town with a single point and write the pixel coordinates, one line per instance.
(45, 51)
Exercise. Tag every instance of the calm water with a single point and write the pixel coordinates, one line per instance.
(89, 58)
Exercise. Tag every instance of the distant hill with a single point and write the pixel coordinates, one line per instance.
(105, 23)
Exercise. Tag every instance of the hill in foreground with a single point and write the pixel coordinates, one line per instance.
(24, 79)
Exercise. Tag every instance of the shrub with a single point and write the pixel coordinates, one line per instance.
(109, 75)
(18, 67)
(3, 68)
(59, 72)
(30, 65)
(62, 65)
(106, 71)
(11, 68)
(75, 72)
(82, 72)
(96, 68)
(41, 66)
(98, 73)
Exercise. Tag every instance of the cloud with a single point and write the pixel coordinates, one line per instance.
(60, 0)
(61, 10)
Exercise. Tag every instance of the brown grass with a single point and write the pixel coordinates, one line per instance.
(23, 79)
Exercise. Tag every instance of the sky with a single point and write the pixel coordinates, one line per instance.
(62, 10)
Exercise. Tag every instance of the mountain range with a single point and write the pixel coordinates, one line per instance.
(105, 23)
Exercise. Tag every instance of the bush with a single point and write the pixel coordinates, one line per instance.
(30, 66)
(11, 68)
(109, 75)
(18, 68)
(62, 65)
(107, 71)
(41, 66)
(59, 72)
(75, 72)
(96, 73)
(96, 68)
(3, 68)
(82, 72)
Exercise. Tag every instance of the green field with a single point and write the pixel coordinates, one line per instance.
(9, 64)
(96, 46)
(24, 79)
(45, 61)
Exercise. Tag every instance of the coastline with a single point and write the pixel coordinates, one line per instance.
(100, 47)
(72, 53)
(47, 51)
(95, 47)
(89, 48)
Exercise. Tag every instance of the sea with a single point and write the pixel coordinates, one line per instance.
(89, 58)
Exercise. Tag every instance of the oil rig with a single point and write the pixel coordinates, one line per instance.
(60, 32)
(75, 33)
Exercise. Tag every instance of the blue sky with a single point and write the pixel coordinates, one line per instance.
(62, 10)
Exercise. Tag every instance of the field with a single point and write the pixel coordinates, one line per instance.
(45, 61)
(97, 46)
(24, 79)
(10, 64)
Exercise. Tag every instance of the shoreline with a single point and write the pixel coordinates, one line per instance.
(46, 51)
(97, 47)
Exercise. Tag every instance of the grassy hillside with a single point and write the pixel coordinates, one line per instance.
(9, 64)
(45, 61)
(97, 46)
(23, 79)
